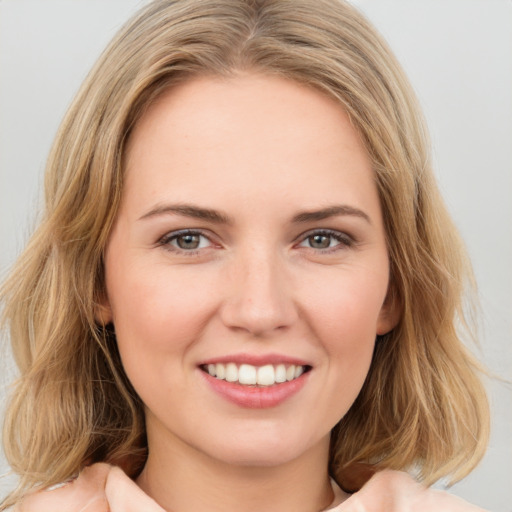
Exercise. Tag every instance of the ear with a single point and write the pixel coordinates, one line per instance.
(390, 312)
(103, 311)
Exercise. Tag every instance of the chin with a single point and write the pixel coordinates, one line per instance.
(271, 451)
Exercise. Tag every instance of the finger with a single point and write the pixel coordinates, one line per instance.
(124, 495)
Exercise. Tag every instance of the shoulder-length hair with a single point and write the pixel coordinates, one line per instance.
(422, 404)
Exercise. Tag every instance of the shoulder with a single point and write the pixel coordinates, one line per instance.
(396, 491)
(98, 488)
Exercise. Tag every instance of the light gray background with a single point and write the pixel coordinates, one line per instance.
(458, 54)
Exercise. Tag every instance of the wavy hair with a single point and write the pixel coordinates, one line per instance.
(422, 405)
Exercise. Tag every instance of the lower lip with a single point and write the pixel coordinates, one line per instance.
(255, 397)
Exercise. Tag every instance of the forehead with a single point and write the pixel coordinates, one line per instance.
(249, 134)
(207, 108)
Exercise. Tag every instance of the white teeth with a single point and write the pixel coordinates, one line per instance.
(266, 375)
(247, 374)
(250, 375)
(231, 372)
(220, 371)
(280, 373)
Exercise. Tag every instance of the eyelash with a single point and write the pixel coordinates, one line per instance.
(345, 240)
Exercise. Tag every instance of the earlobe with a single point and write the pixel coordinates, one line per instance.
(103, 312)
(390, 314)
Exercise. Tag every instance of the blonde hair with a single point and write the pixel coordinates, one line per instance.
(422, 404)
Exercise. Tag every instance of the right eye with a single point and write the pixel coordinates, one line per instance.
(185, 241)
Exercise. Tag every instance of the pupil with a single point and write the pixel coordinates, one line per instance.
(188, 241)
(320, 241)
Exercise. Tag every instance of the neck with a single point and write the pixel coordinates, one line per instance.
(181, 479)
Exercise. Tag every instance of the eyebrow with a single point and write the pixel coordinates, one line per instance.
(330, 211)
(188, 210)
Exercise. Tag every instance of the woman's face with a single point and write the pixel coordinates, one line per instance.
(247, 270)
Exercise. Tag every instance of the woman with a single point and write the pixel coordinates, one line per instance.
(245, 282)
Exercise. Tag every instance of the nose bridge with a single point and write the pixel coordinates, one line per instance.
(259, 298)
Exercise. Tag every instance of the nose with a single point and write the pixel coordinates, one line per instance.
(258, 295)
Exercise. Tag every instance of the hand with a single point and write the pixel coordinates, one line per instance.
(124, 495)
(395, 491)
(98, 488)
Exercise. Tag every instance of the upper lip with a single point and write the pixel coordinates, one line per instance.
(256, 360)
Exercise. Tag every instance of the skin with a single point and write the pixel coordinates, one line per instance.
(260, 150)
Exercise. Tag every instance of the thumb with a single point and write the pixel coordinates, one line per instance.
(124, 495)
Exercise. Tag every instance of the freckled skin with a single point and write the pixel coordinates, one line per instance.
(260, 150)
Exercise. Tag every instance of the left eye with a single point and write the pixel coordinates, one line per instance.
(186, 241)
(325, 240)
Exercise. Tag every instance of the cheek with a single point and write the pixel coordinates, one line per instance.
(347, 309)
(156, 313)
(344, 318)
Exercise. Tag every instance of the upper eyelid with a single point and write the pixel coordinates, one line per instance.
(326, 231)
(185, 231)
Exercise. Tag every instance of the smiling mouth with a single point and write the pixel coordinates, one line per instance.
(249, 375)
